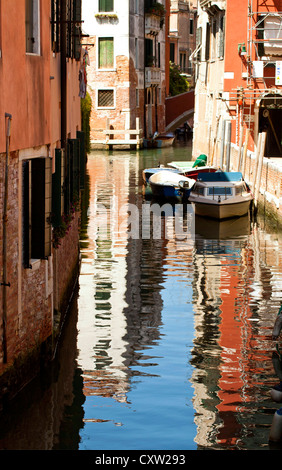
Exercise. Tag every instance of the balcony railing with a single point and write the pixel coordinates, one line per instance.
(152, 24)
(152, 76)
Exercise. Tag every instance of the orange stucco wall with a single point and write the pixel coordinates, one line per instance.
(25, 79)
(30, 84)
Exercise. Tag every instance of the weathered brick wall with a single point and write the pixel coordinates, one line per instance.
(34, 292)
(11, 252)
(66, 259)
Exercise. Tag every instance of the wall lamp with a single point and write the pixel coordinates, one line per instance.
(242, 48)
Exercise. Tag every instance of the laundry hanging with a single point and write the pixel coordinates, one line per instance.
(84, 62)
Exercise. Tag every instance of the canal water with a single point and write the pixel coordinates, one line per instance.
(168, 342)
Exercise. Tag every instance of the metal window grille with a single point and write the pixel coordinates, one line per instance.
(105, 98)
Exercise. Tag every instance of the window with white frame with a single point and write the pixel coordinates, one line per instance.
(105, 98)
(32, 26)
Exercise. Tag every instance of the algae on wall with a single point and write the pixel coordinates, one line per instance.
(86, 105)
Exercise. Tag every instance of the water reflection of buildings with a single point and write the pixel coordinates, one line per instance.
(101, 324)
(232, 351)
(118, 314)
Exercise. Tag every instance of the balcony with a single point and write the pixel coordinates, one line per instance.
(212, 6)
(152, 76)
(152, 24)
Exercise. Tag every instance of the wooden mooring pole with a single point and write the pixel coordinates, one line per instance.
(259, 162)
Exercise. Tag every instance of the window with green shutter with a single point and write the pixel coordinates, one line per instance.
(37, 196)
(106, 5)
(106, 53)
(57, 190)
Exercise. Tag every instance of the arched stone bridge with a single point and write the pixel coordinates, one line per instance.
(179, 109)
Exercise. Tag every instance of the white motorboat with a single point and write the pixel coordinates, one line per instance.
(221, 195)
(167, 184)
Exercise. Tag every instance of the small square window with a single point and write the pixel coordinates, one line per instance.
(105, 98)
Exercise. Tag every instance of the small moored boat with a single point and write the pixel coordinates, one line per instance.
(194, 168)
(221, 195)
(167, 184)
(151, 171)
(159, 141)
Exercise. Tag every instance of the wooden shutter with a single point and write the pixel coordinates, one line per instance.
(106, 53)
(37, 207)
(77, 29)
(41, 192)
(208, 40)
(82, 158)
(26, 215)
(48, 207)
(198, 42)
(67, 182)
(76, 182)
(57, 189)
(221, 38)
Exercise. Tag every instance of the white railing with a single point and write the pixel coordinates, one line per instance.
(152, 76)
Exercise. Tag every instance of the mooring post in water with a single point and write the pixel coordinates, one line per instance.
(5, 282)
(228, 145)
(275, 434)
(222, 144)
(256, 162)
(240, 148)
(260, 161)
(247, 136)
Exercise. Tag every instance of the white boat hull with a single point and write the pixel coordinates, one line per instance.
(221, 210)
(168, 184)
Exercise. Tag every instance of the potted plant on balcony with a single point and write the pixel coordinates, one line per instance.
(157, 9)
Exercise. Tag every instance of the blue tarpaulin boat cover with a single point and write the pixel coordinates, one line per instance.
(221, 176)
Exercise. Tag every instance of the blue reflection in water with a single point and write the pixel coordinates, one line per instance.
(174, 339)
(158, 413)
(142, 396)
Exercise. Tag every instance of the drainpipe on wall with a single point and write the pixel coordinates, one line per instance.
(5, 283)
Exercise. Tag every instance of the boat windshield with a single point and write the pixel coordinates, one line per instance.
(219, 191)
